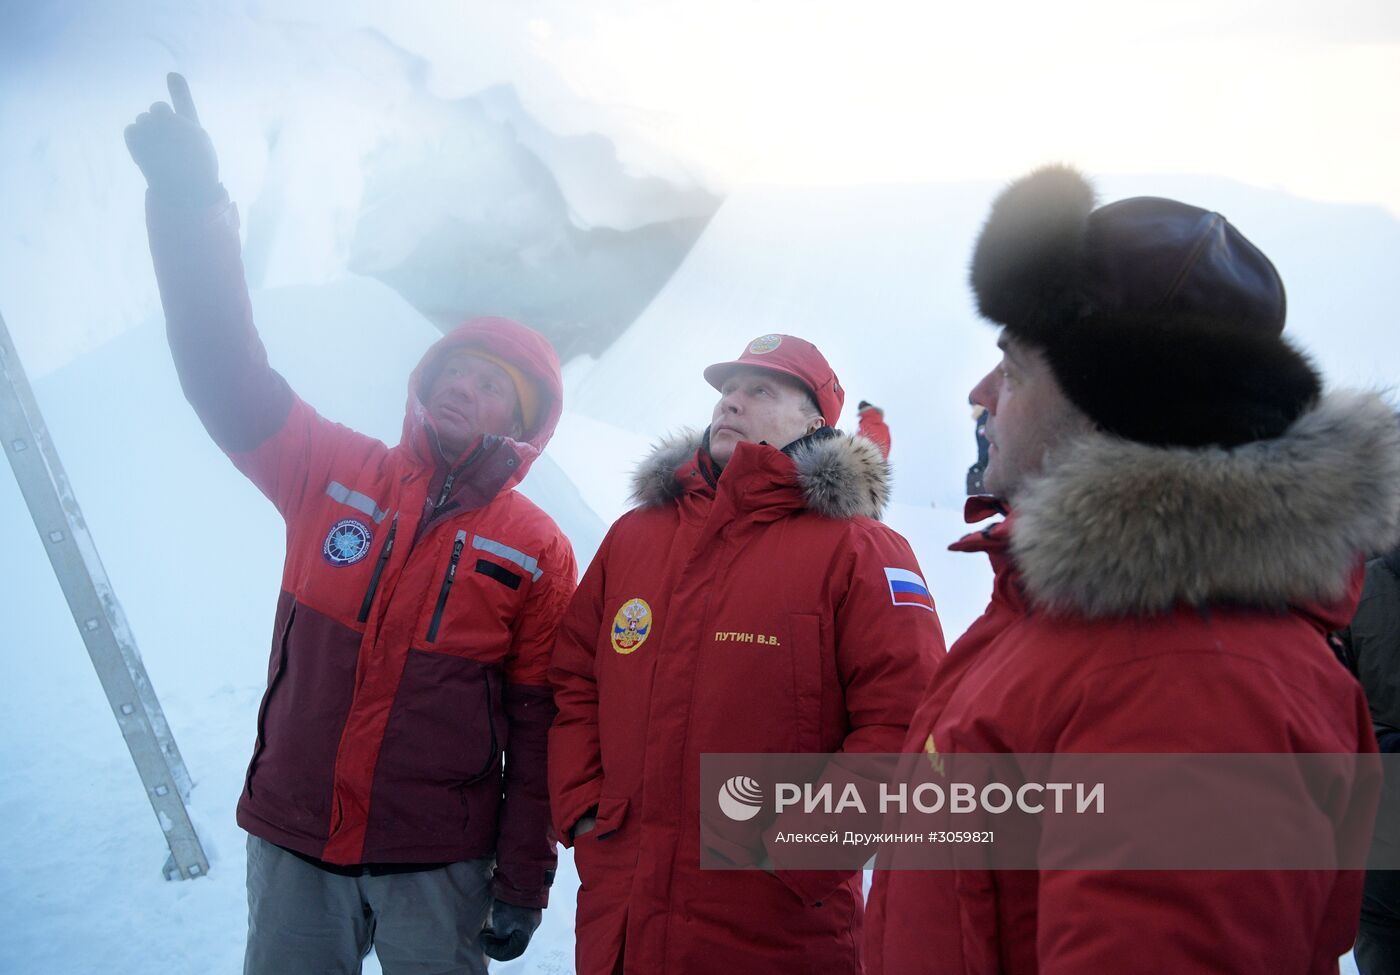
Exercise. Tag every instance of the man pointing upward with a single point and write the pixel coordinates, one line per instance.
(396, 793)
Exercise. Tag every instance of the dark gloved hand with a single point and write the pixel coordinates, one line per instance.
(508, 932)
(175, 155)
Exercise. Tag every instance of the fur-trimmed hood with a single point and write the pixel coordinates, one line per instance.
(1121, 528)
(838, 475)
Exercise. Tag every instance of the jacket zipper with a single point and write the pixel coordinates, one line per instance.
(378, 569)
(451, 574)
(446, 489)
(490, 723)
(432, 508)
(452, 474)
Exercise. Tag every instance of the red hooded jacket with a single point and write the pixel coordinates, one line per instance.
(1167, 601)
(779, 546)
(408, 705)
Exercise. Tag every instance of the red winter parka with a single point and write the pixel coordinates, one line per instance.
(649, 678)
(408, 705)
(1159, 600)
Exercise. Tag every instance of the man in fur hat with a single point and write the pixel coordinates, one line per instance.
(1186, 512)
(751, 602)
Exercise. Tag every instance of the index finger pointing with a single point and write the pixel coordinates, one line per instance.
(180, 97)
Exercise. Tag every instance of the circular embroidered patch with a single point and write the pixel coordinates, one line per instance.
(765, 344)
(631, 626)
(347, 542)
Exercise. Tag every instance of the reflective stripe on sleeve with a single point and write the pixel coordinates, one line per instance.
(360, 502)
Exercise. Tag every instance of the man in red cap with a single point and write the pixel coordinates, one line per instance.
(751, 602)
(873, 426)
(396, 795)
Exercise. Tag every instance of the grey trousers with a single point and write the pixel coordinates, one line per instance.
(303, 920)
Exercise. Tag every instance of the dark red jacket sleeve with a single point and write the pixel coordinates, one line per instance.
(575, 753)
(209, 321)
(525, 841)
(271, 435)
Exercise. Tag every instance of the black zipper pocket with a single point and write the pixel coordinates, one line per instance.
(451, 574)
(378, 569)
(494, 752)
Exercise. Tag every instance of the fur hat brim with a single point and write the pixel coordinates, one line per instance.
(1028, 263)
(1159, 319)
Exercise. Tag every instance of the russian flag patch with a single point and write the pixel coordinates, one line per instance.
(908, 588)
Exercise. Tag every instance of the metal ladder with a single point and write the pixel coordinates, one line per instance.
(99, 617)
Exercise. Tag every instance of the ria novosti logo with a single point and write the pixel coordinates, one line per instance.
(740, 798)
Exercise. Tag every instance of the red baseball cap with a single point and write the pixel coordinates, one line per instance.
(793, 357)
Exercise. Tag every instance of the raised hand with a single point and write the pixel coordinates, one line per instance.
(174, 153)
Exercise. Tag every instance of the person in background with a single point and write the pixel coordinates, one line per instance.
(1370, 647)
(979, 431)
(396, 796)
(873, 427)
(750, 602)
(1185, 517)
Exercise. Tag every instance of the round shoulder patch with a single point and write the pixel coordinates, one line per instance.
(347, 542)
(631, 626)
(765, 344)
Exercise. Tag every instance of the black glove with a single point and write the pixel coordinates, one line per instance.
(508, 932)
(175, 155)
